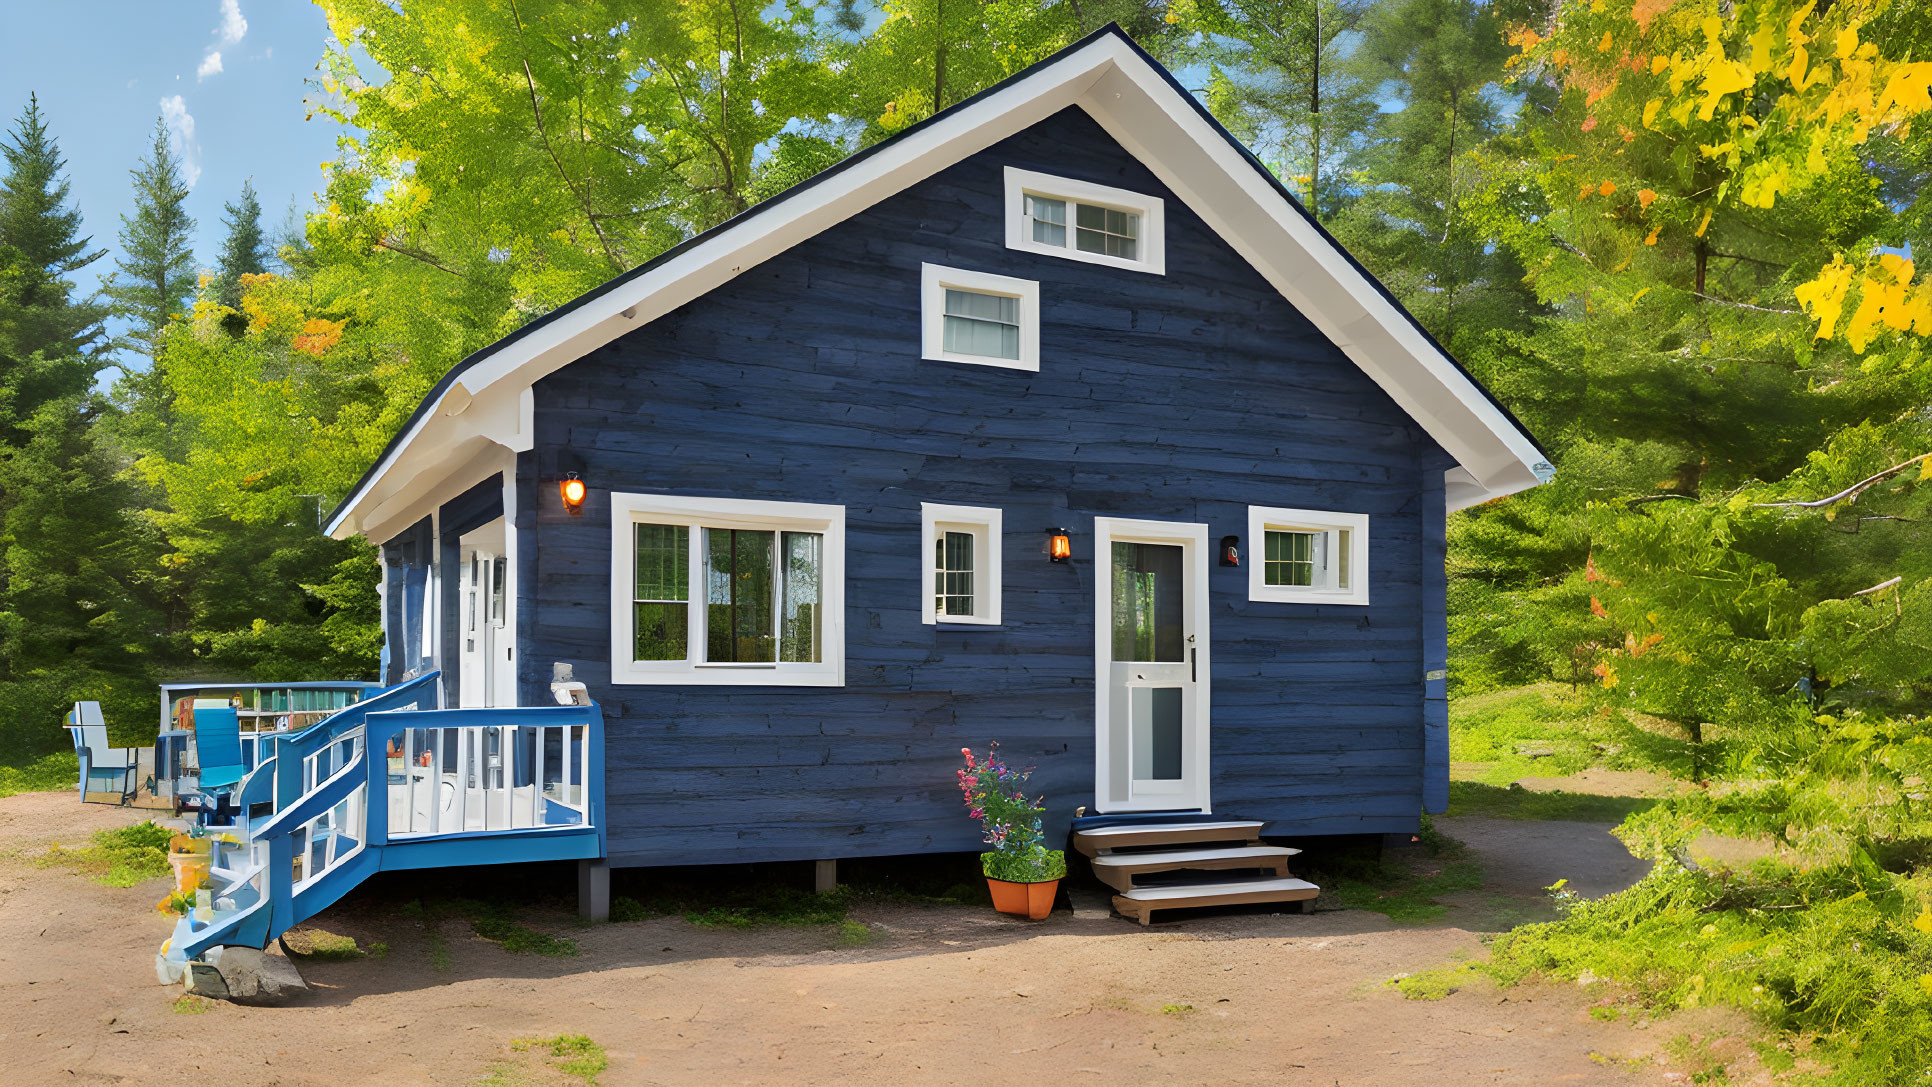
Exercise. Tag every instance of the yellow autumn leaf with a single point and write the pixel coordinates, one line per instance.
(1705, 223)
(1603, 44)
(1847, 42)
(1763, 43)
(1909, 90)
(1722, 77)
(1831, 513)
(1925, 982)
(1639, 296)
(1923, 922)
(1824, 297)
(1650, 112)
(1658, 63)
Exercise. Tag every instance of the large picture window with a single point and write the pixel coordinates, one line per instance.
(769, 591)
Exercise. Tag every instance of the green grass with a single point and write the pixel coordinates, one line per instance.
(318, 945)
(1364, 880)
(572, 1054)
(189, 1004)
(46, 774)
(1177, 1009)
(854, 933)
(119, 857)
(519, 939)
(1505, 802)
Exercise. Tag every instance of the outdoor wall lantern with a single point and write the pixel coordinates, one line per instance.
(573, 491)
(1230, 550)
(1059, 545)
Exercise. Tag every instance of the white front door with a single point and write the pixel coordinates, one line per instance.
(486, 668)
(1151, 657)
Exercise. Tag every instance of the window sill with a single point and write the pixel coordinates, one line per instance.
(956, 623)
(1316, 596)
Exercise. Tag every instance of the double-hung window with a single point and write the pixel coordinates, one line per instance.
(980, 318)
(1307, 556)
(1079, 220)
(715, 591)
(962, 549)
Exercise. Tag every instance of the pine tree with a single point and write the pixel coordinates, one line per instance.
(157, 271)
(244, 251)
(45, 335)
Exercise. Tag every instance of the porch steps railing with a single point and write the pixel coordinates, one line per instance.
(393, 783)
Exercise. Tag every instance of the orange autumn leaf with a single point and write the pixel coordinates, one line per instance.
(1596, 609)
(1651, 238)
(318, 335)
(1646, 197)
(1603, 46)
(1645, 10)
(1607, 188)
(1590, 124)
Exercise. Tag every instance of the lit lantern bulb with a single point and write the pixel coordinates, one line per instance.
(573, 494)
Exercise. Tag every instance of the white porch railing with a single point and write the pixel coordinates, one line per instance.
(481, 778)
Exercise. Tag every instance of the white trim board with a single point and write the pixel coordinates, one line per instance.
(1136, 104)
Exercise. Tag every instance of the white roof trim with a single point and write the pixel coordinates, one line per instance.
(1137, 105)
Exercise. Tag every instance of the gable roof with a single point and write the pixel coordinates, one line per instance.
(486, 399)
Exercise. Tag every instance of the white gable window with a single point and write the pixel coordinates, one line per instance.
(727, 591)
(980, 318)
(1083, 221)
(1307, 556)
(962, 549)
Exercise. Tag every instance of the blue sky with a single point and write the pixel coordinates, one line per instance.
(230, 75)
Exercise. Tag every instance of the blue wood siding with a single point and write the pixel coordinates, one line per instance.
(406, 561)
(1183, 397)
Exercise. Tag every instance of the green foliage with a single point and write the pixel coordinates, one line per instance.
(1034, 864)
(189, 1004)
(45, 774)
(1514, 802)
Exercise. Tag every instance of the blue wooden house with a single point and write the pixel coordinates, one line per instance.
(1052, 420)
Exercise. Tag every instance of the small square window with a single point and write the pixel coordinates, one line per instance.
(982, 324)
(1049, 218)
(1309, 556)
(962, 548)
(980, 318)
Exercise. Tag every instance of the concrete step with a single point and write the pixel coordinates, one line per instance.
(1093, 842)
(1141, 902)
(1117, 870)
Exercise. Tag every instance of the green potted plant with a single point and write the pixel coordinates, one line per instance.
(1023, 874)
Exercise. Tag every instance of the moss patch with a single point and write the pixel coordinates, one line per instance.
(320, 945)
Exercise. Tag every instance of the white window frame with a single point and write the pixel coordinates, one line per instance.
(984, 523)
(935, 279)
(698, 514)
(1262, 519)
(1019, 235)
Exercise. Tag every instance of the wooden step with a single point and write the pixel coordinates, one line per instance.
(1141, 902)
(1126, 836)
(1117, 870)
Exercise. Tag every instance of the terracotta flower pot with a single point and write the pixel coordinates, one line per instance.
(1030, 900)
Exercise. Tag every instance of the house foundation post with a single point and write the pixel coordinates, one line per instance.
(825, 876)
(593, 890)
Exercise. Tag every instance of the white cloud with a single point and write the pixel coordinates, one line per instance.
(181, 137)
(233, 26)
(209, 65)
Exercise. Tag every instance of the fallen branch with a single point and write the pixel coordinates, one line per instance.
(1744, 305)
(1849, 494)
(1880, 587)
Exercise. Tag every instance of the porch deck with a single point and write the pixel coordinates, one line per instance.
(450, 788)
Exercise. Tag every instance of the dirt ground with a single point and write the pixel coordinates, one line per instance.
(933, 994)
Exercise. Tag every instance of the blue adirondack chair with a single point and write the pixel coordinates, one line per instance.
(103, 769)
(218, 744)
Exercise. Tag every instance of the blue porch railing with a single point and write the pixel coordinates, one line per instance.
(391, 784)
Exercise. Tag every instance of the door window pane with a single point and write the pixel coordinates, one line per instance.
(800, 614)
(1049, 219)
(661, 612)
(1104, 230)
(1147, 605)
(739, 594)
(953, 574)
(982, 324)
(1157, 733)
